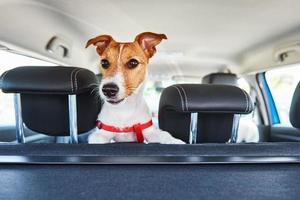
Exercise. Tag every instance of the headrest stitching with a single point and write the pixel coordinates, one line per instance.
(185, 97)
(180, 96)
(3, 76)
(76, 84)
(247, 103)
(72, 87)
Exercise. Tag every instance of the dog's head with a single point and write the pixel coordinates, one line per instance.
(124, 65)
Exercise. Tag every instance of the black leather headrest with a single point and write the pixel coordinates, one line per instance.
(206, 98)
(220, 78)
(44, 97)
(215, 106)
(47, 80)
(295, 108)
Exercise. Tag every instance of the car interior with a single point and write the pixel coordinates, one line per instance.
(224, 63)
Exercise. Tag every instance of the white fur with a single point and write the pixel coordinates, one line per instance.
(247, 132)
(131, 111)
(116, 79)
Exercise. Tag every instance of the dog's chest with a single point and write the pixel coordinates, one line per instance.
(126, 115)
(125, 137)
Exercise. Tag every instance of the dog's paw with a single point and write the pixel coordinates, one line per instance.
(178, 141)
(162, 137)
(173, 141)
(166, 138)
(99, 138)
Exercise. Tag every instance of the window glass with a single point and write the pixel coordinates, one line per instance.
(282, 83)
(8, 61)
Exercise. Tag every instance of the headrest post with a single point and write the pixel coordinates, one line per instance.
(19, 120)
(235, 127)
(73, 119)
(193, 128)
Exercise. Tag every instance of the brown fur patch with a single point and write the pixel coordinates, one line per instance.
(132, 77)
(119, 54)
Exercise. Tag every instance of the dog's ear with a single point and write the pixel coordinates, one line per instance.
(148, 41)
(101, 41)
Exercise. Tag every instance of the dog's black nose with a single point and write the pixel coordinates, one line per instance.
(110, 90)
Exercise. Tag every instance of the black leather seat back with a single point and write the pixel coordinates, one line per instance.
(295, 108)
(215, 105)
(214, 128)
(49, 114)
(44, 97)
(176, 123)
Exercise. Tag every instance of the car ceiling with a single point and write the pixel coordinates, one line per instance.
(203, 35)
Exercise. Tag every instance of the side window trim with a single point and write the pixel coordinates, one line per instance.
(268, 98)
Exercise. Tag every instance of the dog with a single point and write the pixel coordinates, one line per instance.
(247, 132)
(125, 116)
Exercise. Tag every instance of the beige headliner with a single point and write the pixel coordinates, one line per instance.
(204, 35)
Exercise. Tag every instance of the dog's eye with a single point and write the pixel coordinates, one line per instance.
(105, 63)
(133, 63)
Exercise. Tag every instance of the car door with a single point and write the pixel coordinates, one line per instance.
(278, 87)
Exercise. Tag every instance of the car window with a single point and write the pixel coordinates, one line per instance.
(282, 83)
(8, 61)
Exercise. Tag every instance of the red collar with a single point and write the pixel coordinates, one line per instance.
(136, 128)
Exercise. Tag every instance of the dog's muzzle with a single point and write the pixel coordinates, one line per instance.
(110, 90)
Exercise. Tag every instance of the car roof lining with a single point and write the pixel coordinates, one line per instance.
(204, 36)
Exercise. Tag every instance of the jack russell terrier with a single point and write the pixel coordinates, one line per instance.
(125, 116)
